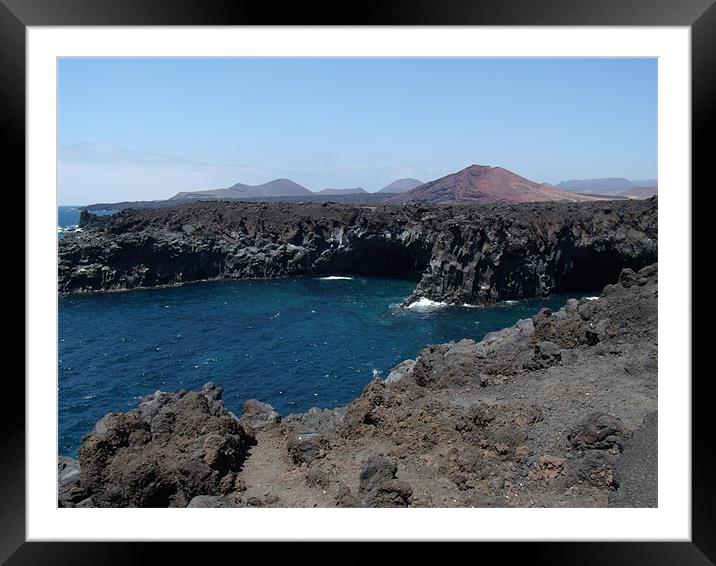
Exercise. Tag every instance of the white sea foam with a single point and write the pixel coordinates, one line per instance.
(590, 298)
(335, 278)
(424, 304)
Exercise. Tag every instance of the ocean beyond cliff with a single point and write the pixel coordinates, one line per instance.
(295, 343)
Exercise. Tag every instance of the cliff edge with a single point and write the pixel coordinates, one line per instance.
(474, 254)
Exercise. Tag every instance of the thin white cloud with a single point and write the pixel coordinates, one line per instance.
(103, 172)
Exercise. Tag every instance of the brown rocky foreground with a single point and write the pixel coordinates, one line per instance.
(556, 411)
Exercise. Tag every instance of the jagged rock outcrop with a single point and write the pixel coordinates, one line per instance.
(379, 486)
(172, 448)
(460, 254)
(561, 248)
(257, 415)
(557, 411)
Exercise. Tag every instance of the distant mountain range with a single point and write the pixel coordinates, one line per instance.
(612, 186)
(474, 184)
(401, 186)
(287, 188)
(484, 184)
(355, 191)
(277, 187)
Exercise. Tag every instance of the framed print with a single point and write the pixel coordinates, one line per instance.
(389, 278)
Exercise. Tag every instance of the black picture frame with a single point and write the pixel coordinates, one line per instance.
(17, 15)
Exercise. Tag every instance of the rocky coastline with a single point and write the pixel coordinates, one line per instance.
(557, 411)
(474, 254)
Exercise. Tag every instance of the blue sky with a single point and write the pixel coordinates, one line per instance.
(132, 129)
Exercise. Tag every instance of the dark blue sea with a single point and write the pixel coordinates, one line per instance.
(68, 218)
(295, 343)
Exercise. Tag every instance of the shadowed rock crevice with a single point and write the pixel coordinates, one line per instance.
(379, 256)
(590, 269)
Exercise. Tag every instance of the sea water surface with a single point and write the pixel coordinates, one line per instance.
(68, 218)
(295, 343)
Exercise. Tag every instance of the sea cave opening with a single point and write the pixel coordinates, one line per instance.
(591, 270)
(380, 258)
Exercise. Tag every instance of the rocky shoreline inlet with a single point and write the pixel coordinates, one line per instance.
(559, 410)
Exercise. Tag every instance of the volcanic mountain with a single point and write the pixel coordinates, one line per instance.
(401, 186)
(355, 191)
(275, 188)
(484, 184)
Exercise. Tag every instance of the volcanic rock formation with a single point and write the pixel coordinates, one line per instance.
(172, 448)
(459, 254)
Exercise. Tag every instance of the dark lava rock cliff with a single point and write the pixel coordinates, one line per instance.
(472, 254)
(556, 411)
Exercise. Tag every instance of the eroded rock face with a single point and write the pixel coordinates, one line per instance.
(146, 248)
(556, 248)
(461, 254)
(257, 415)
(172, 448)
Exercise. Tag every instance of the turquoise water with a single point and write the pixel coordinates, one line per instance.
(295, 343)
